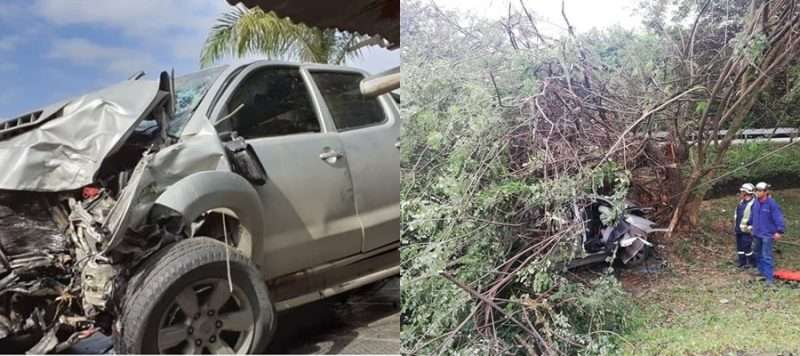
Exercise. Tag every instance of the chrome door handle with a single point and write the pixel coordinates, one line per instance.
(397, 144)
(330, 156)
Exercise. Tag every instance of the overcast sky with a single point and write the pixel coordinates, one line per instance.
(56, 49)
(582, 14)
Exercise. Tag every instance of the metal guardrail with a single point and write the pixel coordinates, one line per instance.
(779, 134)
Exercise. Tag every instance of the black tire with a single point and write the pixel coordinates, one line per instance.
(197, 265)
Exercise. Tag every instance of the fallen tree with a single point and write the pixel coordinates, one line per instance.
(507, 129)
(499, 145)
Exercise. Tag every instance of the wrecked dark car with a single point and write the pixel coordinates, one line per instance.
(623, 234)
(179, 214)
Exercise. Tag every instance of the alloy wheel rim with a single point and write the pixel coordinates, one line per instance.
(206, 318)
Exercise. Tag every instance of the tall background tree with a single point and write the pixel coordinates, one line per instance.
(742, 54)
(240, 32)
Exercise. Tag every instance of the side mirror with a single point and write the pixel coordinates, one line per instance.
(243, 158)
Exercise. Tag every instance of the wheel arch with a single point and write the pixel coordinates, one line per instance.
(207, 191)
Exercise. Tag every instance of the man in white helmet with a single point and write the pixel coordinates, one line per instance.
(766, 219)
(742, 228)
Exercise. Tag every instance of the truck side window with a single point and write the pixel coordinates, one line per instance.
(276, 103)
(348, 107)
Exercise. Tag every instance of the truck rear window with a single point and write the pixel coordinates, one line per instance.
(342, 93)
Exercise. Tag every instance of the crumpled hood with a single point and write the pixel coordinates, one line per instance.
(66, 151)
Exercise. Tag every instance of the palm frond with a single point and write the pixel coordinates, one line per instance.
(242, 31)
(344, 47)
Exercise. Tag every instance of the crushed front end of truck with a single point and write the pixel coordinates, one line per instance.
(78, 207)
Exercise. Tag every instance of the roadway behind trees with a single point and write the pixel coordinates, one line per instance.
(781, 169)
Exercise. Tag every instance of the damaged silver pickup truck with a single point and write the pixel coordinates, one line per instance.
(180, 214)
(606, 236)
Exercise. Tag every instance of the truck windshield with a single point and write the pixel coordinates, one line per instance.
(189, 91)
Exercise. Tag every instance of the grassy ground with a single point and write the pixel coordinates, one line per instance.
(699, 303)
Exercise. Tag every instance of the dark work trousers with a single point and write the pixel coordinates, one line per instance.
(766, 264)
(744, 250)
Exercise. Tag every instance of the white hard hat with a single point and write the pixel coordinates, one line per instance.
(747, 188)
(762, 186)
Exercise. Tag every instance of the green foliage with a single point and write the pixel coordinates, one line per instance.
(753, 47)
(700, 107)
(465, 212)
(780, 168)
(468, 214)
(599, 307)
(242, 31)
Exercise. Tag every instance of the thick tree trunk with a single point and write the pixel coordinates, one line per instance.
(692, 212)
(683, 199)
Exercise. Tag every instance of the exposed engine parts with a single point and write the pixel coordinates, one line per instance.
(37, 286)
(64, 249)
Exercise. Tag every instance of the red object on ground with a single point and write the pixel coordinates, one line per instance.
(787, 275)
(90, 192)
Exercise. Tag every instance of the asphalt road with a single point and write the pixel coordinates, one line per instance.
(364, 321)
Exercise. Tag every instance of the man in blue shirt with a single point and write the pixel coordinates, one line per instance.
(766, 218)
(742, 227)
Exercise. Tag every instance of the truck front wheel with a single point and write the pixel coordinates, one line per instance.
(183, 301)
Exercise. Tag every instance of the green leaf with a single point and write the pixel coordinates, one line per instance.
(701, 107)
(241, 32)
(434, 140)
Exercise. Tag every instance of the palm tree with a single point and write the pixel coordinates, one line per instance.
(244, 31)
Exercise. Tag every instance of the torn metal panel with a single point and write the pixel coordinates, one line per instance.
(641, 224)
(65, 152)
(632, 246)
(97, 282)
(119, 218)
(198, 152)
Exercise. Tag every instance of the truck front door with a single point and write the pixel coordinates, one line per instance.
(308, 198)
